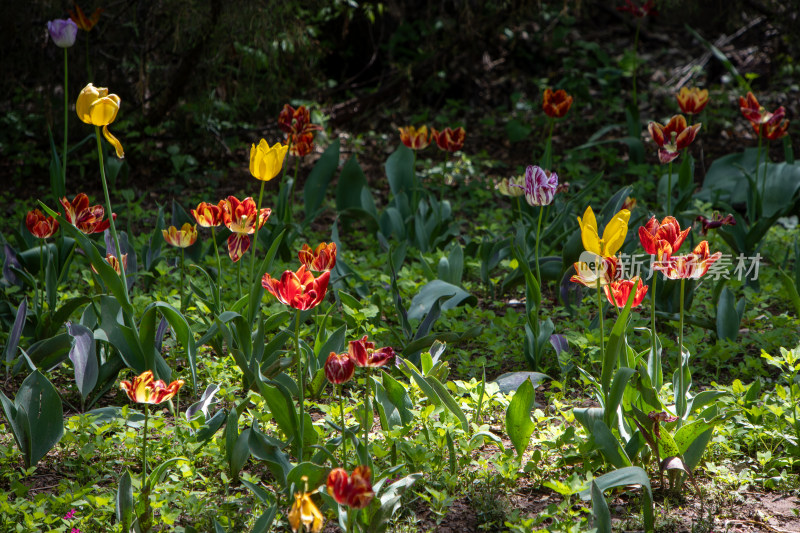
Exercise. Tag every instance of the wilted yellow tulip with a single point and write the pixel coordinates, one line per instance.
(95, 106)
(613, 234)
(266, 162)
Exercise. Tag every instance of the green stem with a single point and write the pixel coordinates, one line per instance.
(536, 248)
(182, 275)
(519, 208)
(239, 276)
(40, 303)
(758, 168)
(680, 400)
(301, 381)
(344, 437)
(669, 189)
(367, 410)
(255, 239)
(444, 177)
(109, 213)
(602, 333)
(66, 115)
(144, 443)
(414, 184)
(656, 358)
(219, 267)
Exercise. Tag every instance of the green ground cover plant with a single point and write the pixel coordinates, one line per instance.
(574, 309)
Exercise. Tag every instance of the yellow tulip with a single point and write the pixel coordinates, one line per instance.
(613, 234)
(95, 106)
(266, 162)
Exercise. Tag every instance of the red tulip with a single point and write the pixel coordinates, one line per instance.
(39, 225)
(669, 231)
(450, 140)
(416, 139)
(320, 259)
(145, 390)
(86, 219)
(364, 354)
(690, 266)
(556, 103)
(692, 101)
(207, 215)
(300, 289)
(673, 137)
(355, 491)
(619, 291)
(339, 368)
(300, 131)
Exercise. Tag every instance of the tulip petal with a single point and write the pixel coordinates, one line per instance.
(614, 233)
(589, 235)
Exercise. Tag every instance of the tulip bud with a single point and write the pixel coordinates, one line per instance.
(63, 32)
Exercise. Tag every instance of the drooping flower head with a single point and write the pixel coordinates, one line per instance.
(673, 137)
(299, 129)
(613, 234)
(619, 291)
(82, 21)
(646, 9)
(39, 225)
(181, 238)
(321, 259)
(716, 221)
(354, 491)
(511, 186)
(364, 354)
(304, 511)
(416, 139)
(95, 106)
(265, 161)
(689, 266)
(63, 32)
(540, 186)
(692, 100)
(448, 139)
(207, 215)
(658, 417)
(665, 237)
(300, 290)
(555, 104)
(144, 390)
(87, 219)
(339, 368)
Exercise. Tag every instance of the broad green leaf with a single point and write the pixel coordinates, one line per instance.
(44, 416)
(432, 292)
(519, 425)
(400, 170)
(727, 317)
(318, 179)
(125, 501)
(83, 357)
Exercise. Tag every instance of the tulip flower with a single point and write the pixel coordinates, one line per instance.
(266, 161)
(629, 203)
(597, 273)
(416, 139)
(692, 101)
(241, 219)
(182, 238)
(613, 234)
(354, 491)
(321, 259)
(303, 511)
(556, 103)
(86, 219)
(144, 389)
(689, 266)
(112, 260)
(756, 113)
(716, 221)
(39, 225)
(619, 291)
(82, 21)
(540, 186)
(300, 290)
(658, 238)
(95, 106)
(512, 187)
(772, 130)
(673, 137)
(207, 215)
(646, 9)
(364, 354)
(63, 32)
(297, 124)
(339, 368)
(448, 139)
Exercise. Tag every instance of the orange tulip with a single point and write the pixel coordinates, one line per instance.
(85, 23)
(619, 291)
(450, 140)
(416, 139)
(86, 219)
(556, 103)
(320, 259)
(182, 238)
(300, 131)
(207, 215)
(39, 225)
(145, 390)
(772, 130)
(692, 101)
(690, 266)
(673, 137)
(300, 289)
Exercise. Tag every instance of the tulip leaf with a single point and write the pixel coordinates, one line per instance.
(179, 326)
(727, 317)
(318, 179)
(622, 477)
(519, 425)
(125, 501)
(57, 185)
(39, 416)
(591, 418)
(47, 354)
(431, 292)
(400, 170)
(352, 182)
(10, 349)
(83, 357)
